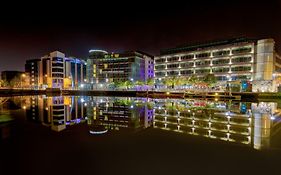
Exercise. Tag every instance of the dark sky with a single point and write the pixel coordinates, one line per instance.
(32, 30)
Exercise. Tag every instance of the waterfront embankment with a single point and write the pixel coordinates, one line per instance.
(218, 96)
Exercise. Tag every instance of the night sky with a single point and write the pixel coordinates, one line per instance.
(28, 32)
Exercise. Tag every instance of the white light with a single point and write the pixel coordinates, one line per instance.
(131, 106)
(272, 118)
(98, 132)
(85, 104)
(97, 50)
(82, 100)
(82, 85)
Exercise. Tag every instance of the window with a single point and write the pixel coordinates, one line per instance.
(203, 55)
(171, 66)
(241, 59)
(220, 61)
(188, 64)
(202, 71)
(57, 59)
(187, 57)
(57, 64)
(221, 53)
(186, 72)
(241, 68)
(161, 60)
(173, 59)
(171, 73)
(57, 70)
(160, 67)
(242, 50)
(220, 69)
(202, 63)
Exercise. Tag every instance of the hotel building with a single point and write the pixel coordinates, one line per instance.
(56, 71)
(104, 67)
(229, 60)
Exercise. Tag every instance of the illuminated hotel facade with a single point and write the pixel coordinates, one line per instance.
(104, 67)
(229, 60)
(56, 71)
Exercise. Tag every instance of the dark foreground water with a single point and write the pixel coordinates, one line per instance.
(106, 135)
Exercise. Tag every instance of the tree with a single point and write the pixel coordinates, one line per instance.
(118, 84)
(139, 83)
(128, 84)
(3, 83)
(192, 80)
(210, 79)
(150, 82)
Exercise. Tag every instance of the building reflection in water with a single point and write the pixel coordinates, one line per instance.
(111, 114)
(56, 112)
(244, 123)
(252, 124)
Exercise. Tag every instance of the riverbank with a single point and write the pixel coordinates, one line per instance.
(218, 96)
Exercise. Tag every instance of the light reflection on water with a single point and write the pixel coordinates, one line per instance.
(252, 124)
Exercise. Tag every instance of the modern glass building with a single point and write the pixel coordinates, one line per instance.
(75, 72)
(104, 67)
(56, 71)
(232, 60)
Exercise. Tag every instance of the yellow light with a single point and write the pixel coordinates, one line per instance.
(168, 93)
(216, 93)
(23, 75)
(24, 107)
(216, 99)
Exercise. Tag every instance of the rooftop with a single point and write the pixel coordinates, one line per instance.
(203, 45)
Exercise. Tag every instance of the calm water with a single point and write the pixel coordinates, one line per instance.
(105, 135)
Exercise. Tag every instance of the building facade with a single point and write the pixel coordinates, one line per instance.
(55, 71)
(229, 60)
(75, 72)
(104, 67)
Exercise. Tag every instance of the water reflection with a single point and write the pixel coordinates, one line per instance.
(56, 112)
(244, 123)
(252, 124)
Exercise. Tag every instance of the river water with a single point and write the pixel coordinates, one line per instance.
(129, 135)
